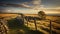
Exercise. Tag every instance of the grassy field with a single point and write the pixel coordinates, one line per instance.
(43, 26)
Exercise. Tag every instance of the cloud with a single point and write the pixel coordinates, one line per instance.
(2, 10)
(57, 7)
(35, 4)
(14, 5)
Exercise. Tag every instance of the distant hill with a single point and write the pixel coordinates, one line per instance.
(8, 15)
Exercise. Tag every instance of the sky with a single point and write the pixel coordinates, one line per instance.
(30, 6)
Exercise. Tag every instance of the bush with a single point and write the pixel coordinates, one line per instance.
(15, 23)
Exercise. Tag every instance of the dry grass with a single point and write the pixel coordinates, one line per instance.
(42, 25)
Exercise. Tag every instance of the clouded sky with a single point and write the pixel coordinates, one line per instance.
(28, 6)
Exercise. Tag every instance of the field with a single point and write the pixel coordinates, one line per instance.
(43, 26)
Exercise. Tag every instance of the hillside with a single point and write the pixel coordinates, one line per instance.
(43, 26)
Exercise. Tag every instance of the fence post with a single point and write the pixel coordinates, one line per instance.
(35, 23)
(27, 21)
(50, 27)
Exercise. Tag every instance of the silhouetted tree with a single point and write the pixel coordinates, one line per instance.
(41, 14)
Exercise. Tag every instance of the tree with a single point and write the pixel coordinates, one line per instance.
(42, 15)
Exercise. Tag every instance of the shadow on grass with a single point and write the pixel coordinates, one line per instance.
(34, 32)
(24, 30)
(17, 26)
(15, 23)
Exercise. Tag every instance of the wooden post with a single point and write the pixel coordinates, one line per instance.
(22, 17)
(27, 21)
(50, 27)
(35, 23)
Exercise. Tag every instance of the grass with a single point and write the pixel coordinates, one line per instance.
(24, 30)
(16, 27)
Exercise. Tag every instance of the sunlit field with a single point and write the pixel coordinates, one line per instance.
(43, 26)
